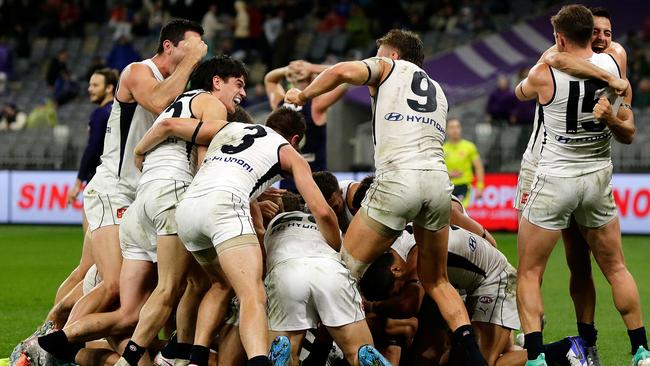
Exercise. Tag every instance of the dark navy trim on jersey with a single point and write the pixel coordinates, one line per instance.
(615, 63)
(389, 74)
(540, 121)
(278, 152)
(127, 110)
(554, 89)
(369, 72)
(457, 261)
(191, 100)
(272, 172)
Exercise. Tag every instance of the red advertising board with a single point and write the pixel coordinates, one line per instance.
(494, 210)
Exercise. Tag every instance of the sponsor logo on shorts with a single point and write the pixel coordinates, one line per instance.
(524, 198)
(484, 310)
(485, 300)
(393, 116)
(120, 212)
(472, 243)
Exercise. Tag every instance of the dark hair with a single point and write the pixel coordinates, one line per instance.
(174, 31)
(576, 23)
(327, 183)
(111, 76)
(287, 122)
(361, 191)
(408, 44)
(224, 67)
(600, 12)
(291, 202)
(240, 115)
(377, 283)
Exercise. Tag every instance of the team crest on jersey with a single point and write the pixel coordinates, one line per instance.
(120, 212)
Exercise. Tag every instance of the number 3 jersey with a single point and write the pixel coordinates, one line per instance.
(242, 159)
(573, 142)
(175, 158)
(409, 120)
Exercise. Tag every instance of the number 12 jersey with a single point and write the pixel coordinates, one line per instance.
(409, 120)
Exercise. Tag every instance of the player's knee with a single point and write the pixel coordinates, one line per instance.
(168, 293)
(357, 268)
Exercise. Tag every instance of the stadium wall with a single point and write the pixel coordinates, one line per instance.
(39, 197)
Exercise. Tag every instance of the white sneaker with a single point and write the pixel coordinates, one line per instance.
(161, 360)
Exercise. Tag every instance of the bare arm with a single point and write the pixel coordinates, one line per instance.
(325, 217)
(535, 85)
(459, 218)
(479, 170)
(581, 68)
(155, 96)
(368, 72)
(204, 106)
(321, 104)
(274, 90)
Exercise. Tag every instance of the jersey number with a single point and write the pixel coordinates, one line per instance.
(430, 105)
(246, 142)
(588, 103)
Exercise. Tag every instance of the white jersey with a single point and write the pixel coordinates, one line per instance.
(175, 158)
(471, 259)
(347, 219)
(574, 142)
(409, 120)
(293, 235)
(242, 159)
(127, 124)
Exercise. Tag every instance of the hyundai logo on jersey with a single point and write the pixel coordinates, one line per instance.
(393, 116)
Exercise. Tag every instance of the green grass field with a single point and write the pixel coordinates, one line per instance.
(38, 258)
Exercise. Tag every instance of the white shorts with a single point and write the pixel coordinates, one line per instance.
(588, 198)
(524, 184)
(209, 220)
(495, 301)
(91, 279)
(136, 242)
(401, 196)
(302, 292)
(104, 209)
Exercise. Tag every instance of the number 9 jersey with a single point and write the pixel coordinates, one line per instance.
(574, 142)
(242, 159)
(409, 120)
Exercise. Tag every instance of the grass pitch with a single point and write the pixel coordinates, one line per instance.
(38, 258)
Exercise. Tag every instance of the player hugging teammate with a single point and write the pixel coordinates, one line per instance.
(392, 269)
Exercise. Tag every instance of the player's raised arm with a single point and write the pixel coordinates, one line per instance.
(325, 217)
(274, 90)
(156, 96)
(581, 68)
(367, 72)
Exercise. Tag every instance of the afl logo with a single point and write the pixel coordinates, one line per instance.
(472, 243)
(393, 116)
(485, 300)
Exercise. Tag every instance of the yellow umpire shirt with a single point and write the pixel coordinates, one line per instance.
(459, 157)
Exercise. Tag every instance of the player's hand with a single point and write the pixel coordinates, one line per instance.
(603, 110)
(272, 193)
(74, 192)
(293, 97)
(269, 209)
(479, 193)
(300, 67)
(139, 161)
(194, 48)
(619, 85)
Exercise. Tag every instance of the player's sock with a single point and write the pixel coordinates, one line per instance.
(183, 351)
(556, 352)
(534, 344)
(199, 355)
(56, 343)
(464, 347)
(169, 351)
(588, 332)
(261, 360)
(133, 353)
(637, 338)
